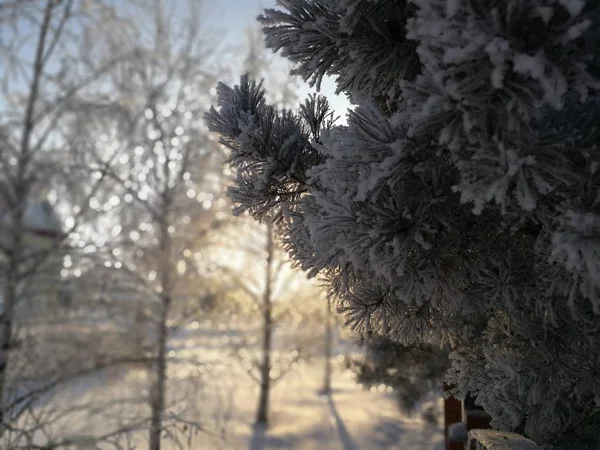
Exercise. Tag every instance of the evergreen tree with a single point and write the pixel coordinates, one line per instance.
(163, 175)
(460, 205)
(412, 371)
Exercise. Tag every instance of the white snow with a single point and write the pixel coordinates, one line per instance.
(499, 440)
(573, 6)
(575, 31)
(498, 51)
(545, 12)
(534, 66)
(452, 7)
(458, 431)
(220, 396)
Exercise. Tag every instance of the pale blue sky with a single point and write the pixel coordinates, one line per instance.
(235, 16)
(232, 18)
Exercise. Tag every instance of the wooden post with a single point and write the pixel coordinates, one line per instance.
(468, 412)
(452, 414)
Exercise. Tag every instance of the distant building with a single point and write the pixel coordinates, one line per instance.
(43, 228)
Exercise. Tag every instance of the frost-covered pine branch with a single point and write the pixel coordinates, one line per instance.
(270, 149)
(363, 44)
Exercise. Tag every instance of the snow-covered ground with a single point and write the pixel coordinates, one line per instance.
(222, 398)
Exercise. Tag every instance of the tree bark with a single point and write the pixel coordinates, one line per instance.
(6, 323)
(159, 372)
(262, 413)
(328, 349)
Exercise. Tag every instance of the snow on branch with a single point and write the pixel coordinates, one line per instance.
(362, 44)
(270, 150)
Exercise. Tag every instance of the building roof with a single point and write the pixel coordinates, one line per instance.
(39, 217)
(42, 217)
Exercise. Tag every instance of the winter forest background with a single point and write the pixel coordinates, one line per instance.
(442, 197)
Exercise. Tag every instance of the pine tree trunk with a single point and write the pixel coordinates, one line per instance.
(328, 349)
(159, 372)
(262, 413)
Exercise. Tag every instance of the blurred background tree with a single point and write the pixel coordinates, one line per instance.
(413, 372)
(136, 311)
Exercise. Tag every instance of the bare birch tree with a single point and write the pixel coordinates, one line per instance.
(269, 296)
(262, 411)
(42, 80)
(282, 312)
(164, 175)
(327, 354)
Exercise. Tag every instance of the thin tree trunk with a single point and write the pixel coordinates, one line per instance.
(157, 400)
(262, 413)
(157, 389)
(6, 328)
(21, 193)
(328, 349)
